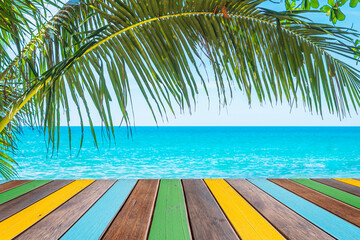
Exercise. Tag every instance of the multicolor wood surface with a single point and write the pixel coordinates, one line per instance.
(180, 209)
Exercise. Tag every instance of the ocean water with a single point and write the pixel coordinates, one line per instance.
(195, 152)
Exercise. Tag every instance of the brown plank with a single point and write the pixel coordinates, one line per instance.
(60, 220)
(207, 221)
(290, 224)
(12, 184)
(133, 220)
(15, 205)
(343, 210)
(339, 185)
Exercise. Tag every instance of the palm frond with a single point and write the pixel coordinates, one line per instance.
(273, 56)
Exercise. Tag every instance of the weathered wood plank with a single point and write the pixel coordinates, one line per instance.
(350, 181)
(330, 191)
(17, 223)
(244, 218)
(288, 222)
(94, 222)
(16, 205)
(330, 223)
(133, 220)
(170, 218)
(12, 184)
(207, 221)
(20, 190)
(54, 225)
(347, 212)
(339, 185)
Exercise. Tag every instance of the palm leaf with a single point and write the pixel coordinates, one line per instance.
(18, 22)
(273, 56)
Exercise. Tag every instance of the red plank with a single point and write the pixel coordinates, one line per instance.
(12, 184)
(343, 210)
(133, 220)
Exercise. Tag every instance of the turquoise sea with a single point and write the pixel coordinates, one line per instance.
(195, 152)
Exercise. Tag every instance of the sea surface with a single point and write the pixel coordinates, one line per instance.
(194, 152)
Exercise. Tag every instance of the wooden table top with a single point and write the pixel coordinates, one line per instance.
(180, 209)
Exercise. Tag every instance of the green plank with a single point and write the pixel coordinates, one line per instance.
(20, 190)
(330, 191)
(170, 221)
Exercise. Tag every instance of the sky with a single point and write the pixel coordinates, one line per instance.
(238, 112)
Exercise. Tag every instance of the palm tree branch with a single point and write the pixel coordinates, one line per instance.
(23, 100)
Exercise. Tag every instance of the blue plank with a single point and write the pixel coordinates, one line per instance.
(330, 223)
(94, 222)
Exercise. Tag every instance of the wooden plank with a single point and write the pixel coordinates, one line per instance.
(330, 191)
(350, 181)
(207, 221)
(339, 185)
(330, 223)
(245, 219)
(288, 222)
(170, 219)
(16, 205)
(94, 222)
(54, 225)
(347, 212)
(133, 221)
(14, 225)
(20, 190)
(3, 181)
(12, 184)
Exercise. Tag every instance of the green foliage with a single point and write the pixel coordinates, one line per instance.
(19, 20)
(332, 9)
(273, 56)
(353, 3)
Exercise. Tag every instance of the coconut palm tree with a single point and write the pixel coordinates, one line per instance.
(18, 22)
(162, 45)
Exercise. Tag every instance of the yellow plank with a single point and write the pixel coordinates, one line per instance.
(19, 222)
(246, 220)
(349, 181)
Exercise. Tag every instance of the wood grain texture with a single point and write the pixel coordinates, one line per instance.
(289, 223)
(207, 221)
(329, 222)
(16, 205)
(19, 222)
(350, 181)
(54, 225)
(330, 191)
(248, 223)
(339, 185)
(170, 219)
(133, 220)
(94, 222)
(12, 184)
(20, 190)
(347, 212)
